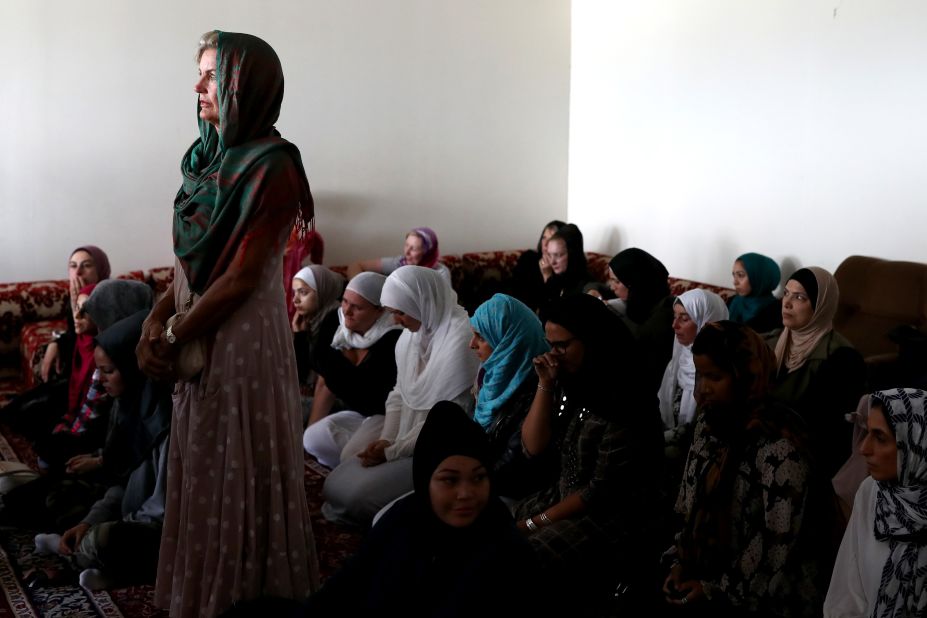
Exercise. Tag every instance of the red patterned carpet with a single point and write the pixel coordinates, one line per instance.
(62, 597)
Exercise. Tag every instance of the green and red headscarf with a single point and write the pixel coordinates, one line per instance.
(224, 171)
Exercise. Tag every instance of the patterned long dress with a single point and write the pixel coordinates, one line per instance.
(237, 523)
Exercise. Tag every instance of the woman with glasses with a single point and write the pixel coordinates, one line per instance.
(597, 517)
(356, 366)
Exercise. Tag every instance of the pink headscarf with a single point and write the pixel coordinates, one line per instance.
(429, 243)
(99, 260)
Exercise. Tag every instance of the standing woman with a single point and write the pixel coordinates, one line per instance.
(881, 567)
(236, 521)
(818, 372)
(755, 278)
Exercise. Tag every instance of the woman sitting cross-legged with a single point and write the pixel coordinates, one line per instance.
(755, 509)
(594, 526)
(117, 541)
(433, 364)
(755, 278)
(881, 568)
(507, 336)
(450, 549)
(819, 373)
(356, 370)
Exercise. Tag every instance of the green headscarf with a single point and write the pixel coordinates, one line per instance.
(227, 174)
(764, 275)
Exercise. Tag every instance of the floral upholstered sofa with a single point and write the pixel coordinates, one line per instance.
(29, 312)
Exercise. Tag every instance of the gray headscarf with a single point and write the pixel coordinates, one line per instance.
(115, 299)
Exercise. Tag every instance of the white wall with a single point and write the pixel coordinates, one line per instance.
(702, 129)
(449, 113)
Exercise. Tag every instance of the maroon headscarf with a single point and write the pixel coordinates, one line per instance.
(100, 260)
(429, 244)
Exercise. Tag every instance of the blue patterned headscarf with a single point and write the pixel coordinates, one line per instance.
(901, 507)
(764, 276)
(516, 337)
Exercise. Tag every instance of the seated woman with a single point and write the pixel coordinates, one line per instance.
(316, 294)
(81, 433)
(420, 249)
(357, 369)
(880, 568)
(818, 372)
(749, 545)
(433, 364)
(450, 548)
(640, 280)
(533, 269)
(117, 541)
(506, 338)
(755, 278)
(692, 311)
(87, 265)
(34, 412)
(567, 259)
(593, 526)
(75, 431)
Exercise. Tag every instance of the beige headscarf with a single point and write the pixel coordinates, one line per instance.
(795, 345)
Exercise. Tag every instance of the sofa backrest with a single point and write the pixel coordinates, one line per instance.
(877, 296)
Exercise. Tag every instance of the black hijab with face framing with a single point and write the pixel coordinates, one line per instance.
(610, 374)
(646, 279)
(143, 410)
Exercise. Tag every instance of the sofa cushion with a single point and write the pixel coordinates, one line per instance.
(877, 296)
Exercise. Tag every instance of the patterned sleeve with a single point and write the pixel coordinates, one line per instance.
(767, 511)
(609, 445)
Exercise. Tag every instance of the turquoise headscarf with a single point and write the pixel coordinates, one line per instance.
(516, 337)
(764, 275)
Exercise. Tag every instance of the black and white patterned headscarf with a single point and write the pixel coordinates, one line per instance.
(901, 508)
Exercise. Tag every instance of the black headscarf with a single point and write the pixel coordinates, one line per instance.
(808, 281)
(554, 225)
(572, 237)
(143, 410)
(646, 279)
(610, 364)
(447, 431)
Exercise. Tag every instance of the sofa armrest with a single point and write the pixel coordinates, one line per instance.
(34, 339)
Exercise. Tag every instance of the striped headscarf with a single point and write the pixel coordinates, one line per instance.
(901, 508)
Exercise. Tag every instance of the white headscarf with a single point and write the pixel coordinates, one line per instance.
(328, 285)
(703, 307)
(368, 286)
(434, 363)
